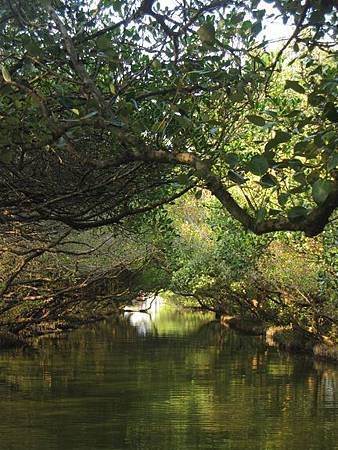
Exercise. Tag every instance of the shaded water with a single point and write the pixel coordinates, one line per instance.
(178, 382)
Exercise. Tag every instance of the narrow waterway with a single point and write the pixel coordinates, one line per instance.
(172, 380)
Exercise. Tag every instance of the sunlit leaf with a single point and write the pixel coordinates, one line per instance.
(112, 88)
(6, 75)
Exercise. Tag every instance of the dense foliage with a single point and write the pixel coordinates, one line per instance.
(113, 109)
(280, 280)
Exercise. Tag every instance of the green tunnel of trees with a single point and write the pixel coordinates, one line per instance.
(178, 143)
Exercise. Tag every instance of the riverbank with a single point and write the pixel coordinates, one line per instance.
(73, 304)
(43, 327)
(286, 338)
(90, 313)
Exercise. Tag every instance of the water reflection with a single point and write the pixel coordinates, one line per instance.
(187, 384)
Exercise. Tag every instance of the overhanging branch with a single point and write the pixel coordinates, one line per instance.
(312, 225)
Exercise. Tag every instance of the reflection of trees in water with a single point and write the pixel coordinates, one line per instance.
(215, 332)
(210, 380)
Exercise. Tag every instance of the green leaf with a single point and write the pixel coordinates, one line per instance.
(256, 120)
(198, 194)
(333, 162)
(318, 141)
(300, 148)
(295, 86)
(271, 144)
(246, 25)
(315, 99)
(300, 178)
(33, 48)
(112, 88)
(258, 165)
(268, 181)
(183, 121)
(294, 113)
(261, 214)
(237, 96)
(306, 121)
(236, 177)
(103, 43)
(320, 190)
(183, 179)
(156, 64)
(305, 148)
(283, 198)
(329, 137)
(294, 163)
(231, 159)
(271, 113)
(206, 33)
(330, 112)
(6, 156)
(256, 27)
(6, 75)
(313, 176)
(297, 190)
(297, 213)
(282, 136)
(270, 157)
(317, 17)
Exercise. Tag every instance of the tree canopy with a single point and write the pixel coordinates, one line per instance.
(112, 108)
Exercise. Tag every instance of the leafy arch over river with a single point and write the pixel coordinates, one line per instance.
(113, 110)
(118, 119)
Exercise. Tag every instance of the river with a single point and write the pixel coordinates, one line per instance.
(172, 380)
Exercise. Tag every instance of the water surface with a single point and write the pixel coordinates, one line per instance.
(176, 381)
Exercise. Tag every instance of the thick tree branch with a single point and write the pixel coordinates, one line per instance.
(312, 225)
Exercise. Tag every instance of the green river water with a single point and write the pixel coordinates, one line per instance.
(180, 381)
